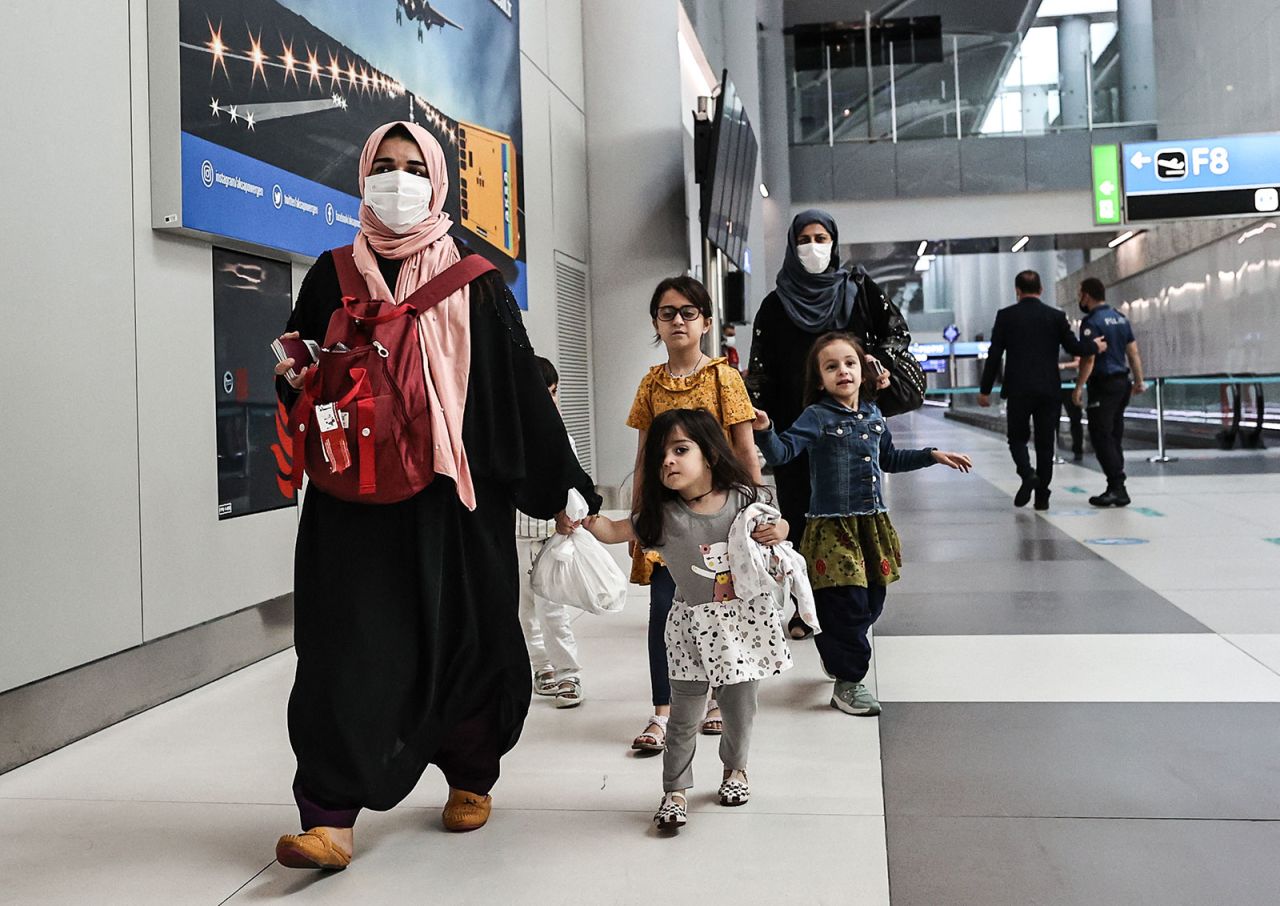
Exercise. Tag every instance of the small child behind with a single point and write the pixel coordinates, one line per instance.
(693, 489)
(548, 631)
(849, 542)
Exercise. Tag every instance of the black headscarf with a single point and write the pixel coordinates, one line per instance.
(816, 302)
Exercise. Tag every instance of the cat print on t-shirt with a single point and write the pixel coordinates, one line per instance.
(716, 558)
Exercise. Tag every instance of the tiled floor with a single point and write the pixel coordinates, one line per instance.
(1066, 722)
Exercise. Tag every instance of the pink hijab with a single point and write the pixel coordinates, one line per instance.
(444, 332)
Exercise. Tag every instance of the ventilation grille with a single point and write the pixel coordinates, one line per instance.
(573, 331)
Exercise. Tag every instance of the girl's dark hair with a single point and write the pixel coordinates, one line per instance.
(727, 473)
(691, 289)
(548, 371)
(813, 379)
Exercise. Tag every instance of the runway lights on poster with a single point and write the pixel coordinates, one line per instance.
(313, 69)
(290, 71)
(257, 57)
(217, 50)
(363, 79)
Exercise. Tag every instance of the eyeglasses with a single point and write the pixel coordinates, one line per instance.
(686, 313)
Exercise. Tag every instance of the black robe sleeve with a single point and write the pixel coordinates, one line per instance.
(512, 431)
(317, 298)
(762, 370)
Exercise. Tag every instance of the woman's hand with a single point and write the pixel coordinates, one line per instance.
(282, 368)
(761, 421)
(952, 460)
(565, 525)
(769, 534)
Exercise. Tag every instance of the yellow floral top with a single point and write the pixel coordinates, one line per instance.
(718, 388)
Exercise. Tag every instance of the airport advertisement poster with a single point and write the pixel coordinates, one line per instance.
(252, 297)
(278, 96)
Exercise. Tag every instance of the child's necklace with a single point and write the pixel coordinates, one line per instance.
(689, 500)
(692, 371)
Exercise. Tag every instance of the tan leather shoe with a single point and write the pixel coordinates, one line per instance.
(466, 811)
(313, 849)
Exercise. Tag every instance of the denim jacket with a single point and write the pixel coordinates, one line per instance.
(849, 452)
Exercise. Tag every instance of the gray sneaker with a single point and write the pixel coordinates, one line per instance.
(855, 699)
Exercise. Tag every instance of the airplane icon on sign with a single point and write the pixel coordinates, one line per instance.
(1171, 164)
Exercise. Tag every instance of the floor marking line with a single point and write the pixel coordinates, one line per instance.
(257, 875)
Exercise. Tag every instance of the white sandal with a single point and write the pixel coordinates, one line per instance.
(544, 681)
(569, 693)
(652, 742)
(672, 813)
(712, 726)
(734, 792)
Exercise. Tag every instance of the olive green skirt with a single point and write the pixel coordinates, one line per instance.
(851, 550)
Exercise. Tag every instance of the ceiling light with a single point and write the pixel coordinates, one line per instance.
(924, 246)
(1121, 239)
(923, 263)
(764, 191)
(1021, 244)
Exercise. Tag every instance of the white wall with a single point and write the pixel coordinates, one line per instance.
(1217, 67)
(635, 165)
(68, 448)
(555, 157)
(109, 533)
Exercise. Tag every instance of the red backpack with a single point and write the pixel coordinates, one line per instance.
(362, 416)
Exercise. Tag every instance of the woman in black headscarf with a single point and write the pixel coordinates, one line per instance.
(813, 295)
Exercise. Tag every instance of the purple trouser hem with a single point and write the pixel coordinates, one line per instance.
(313, 815)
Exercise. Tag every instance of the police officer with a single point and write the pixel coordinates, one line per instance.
(1111, 377)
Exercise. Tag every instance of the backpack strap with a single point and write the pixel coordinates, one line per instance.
(432, 293)
(449, 281)
(350, 280)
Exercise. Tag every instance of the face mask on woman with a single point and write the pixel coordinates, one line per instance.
(815, 256)
(401, 200)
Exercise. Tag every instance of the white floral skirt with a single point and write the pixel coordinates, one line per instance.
(726, 643)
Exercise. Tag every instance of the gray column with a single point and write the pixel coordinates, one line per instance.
(1073, 75)
(636, 190)
(775, 145)
(1137, 61)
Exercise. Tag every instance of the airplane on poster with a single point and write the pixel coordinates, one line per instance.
(424, 14)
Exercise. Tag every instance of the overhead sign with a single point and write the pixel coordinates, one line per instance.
(1106, 185)
(951, 334)
(1233, 176)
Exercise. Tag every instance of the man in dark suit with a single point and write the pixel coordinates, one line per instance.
(1030, 334)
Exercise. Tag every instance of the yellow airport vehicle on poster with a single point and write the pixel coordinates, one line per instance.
(487, 186)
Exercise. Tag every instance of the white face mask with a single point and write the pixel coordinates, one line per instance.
(401, 200)
(815, 256)
(731, 341)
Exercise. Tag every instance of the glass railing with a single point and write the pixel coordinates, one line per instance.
(1062, 75)
(1223, 411)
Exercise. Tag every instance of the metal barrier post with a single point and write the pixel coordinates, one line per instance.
(1160, 451)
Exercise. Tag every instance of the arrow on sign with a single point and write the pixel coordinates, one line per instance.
(1139, 159)
(1107, 188)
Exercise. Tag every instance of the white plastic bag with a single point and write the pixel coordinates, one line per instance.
(576, 569)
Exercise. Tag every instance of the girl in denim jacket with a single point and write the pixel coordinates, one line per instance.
(849, 542)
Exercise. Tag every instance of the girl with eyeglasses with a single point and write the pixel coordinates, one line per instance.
(681, 312)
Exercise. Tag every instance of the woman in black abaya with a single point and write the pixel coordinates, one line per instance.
(409, 645)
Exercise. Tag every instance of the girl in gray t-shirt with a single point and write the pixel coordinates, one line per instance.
(692, 490)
